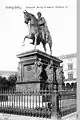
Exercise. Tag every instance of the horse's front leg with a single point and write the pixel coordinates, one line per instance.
(24, 41)
(28, 36)
(25, 38)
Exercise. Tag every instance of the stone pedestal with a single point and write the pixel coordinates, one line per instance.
(35, 69)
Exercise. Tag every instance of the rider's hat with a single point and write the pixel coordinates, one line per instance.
(39, 13)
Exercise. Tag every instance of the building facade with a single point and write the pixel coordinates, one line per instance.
(69, 67)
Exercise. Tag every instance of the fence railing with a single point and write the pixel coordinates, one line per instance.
(67, 102)
(36, 103)
(32, 103)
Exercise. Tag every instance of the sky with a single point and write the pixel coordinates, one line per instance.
(61, 17)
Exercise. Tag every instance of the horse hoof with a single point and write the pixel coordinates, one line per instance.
(32, 43)
(23, 44)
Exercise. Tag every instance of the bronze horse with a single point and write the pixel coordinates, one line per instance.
(34, 33)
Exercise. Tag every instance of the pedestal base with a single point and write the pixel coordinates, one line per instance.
(35, 67)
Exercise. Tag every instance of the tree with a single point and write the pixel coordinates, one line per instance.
(12, 80)
(3, 82)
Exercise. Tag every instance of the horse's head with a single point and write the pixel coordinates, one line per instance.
(26, 17)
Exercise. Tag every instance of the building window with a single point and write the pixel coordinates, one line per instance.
(70, 66)
(70, 76)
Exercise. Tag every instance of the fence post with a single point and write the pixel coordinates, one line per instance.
(55, 106)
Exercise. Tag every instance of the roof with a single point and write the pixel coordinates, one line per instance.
(67, 56)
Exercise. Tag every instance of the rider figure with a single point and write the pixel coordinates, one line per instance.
(43, 29)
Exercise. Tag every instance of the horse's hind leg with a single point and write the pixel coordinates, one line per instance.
(50, 51)
(44, 46)
(50, 48)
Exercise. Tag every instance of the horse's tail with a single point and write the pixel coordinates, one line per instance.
(49, 38)
(49, 41)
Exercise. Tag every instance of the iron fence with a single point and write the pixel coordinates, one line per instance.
(32, 102)
(67, 102)
(36, 103)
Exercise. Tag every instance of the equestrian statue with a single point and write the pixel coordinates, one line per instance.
(38, 30)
